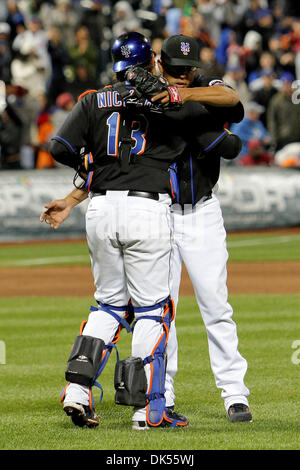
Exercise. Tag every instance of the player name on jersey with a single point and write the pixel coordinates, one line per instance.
(112, 99)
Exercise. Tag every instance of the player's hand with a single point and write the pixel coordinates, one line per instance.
(161, 98)
(56, 212)
(149, 85)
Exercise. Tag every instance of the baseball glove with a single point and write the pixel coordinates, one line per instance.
(149, 85)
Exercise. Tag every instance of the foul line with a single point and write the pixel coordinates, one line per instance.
(43, 261)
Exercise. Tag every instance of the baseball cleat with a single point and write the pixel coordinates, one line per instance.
(81, 415)
(140, 426)
(239, 412)
(181, 421)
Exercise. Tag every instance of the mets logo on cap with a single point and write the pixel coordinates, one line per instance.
(125, 51)
(185, 48)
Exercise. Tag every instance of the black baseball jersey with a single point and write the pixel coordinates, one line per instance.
(94, 127)
(199, 170)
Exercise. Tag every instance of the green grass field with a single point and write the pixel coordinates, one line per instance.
(241, 247)
(39, 332)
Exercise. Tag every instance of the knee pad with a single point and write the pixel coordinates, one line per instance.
(84, 361)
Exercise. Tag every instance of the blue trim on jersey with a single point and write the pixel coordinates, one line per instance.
(192, 180)
(65, 141)
(215, 141)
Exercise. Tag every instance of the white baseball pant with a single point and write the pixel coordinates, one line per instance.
(129, 240)
(200, 242)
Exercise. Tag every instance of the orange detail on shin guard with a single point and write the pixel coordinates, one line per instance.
(64, 393)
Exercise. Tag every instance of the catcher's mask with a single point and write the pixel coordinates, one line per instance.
(130, 49)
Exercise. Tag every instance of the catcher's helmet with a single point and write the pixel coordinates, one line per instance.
(130, 49)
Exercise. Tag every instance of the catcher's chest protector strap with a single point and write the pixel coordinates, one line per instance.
(155, 409)
(126, 142)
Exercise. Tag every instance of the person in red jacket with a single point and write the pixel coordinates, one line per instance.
(256, 155)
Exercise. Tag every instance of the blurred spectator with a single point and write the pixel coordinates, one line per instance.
(265, 92)
(252, 50)
(62, 16)
(28, 70)
(84, 49)
(195, 26)
(291, 59)
(124, 19)
(45, 130)
(59, 58)
(251, 127)
(264, 25)
(288, 156)
(291, 8)
(169, 17)
(36, 39)
(95, 17)
(209, 64)
(15, 18)
(52, 47)
(267, 64)
(3, 11)
(256, 155)
(27, 106)
(159, 25)
(283, 116)
(234, 77)
(227, 36)
(65, 102)
(5, 52)
(81, 81)
(275, 47)
(211, 15)
(10, 133)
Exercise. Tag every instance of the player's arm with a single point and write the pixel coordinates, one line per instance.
(216, 143)
(59, 210)
(67, 145)
(222, 96)
(229, 148)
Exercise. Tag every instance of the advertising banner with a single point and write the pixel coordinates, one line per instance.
(259, 197)
(23, 195)
(251, 198)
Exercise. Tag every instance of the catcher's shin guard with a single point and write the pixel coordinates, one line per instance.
(156, 406)
(98, 356)
(130, 382)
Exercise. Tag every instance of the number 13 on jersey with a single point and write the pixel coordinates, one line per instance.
(138, 134)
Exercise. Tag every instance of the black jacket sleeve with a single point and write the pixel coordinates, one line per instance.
(62, 154)
(222, 114)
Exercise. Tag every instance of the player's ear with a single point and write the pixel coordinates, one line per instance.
(152, 62)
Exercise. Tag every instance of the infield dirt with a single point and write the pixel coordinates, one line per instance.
(243, 278)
